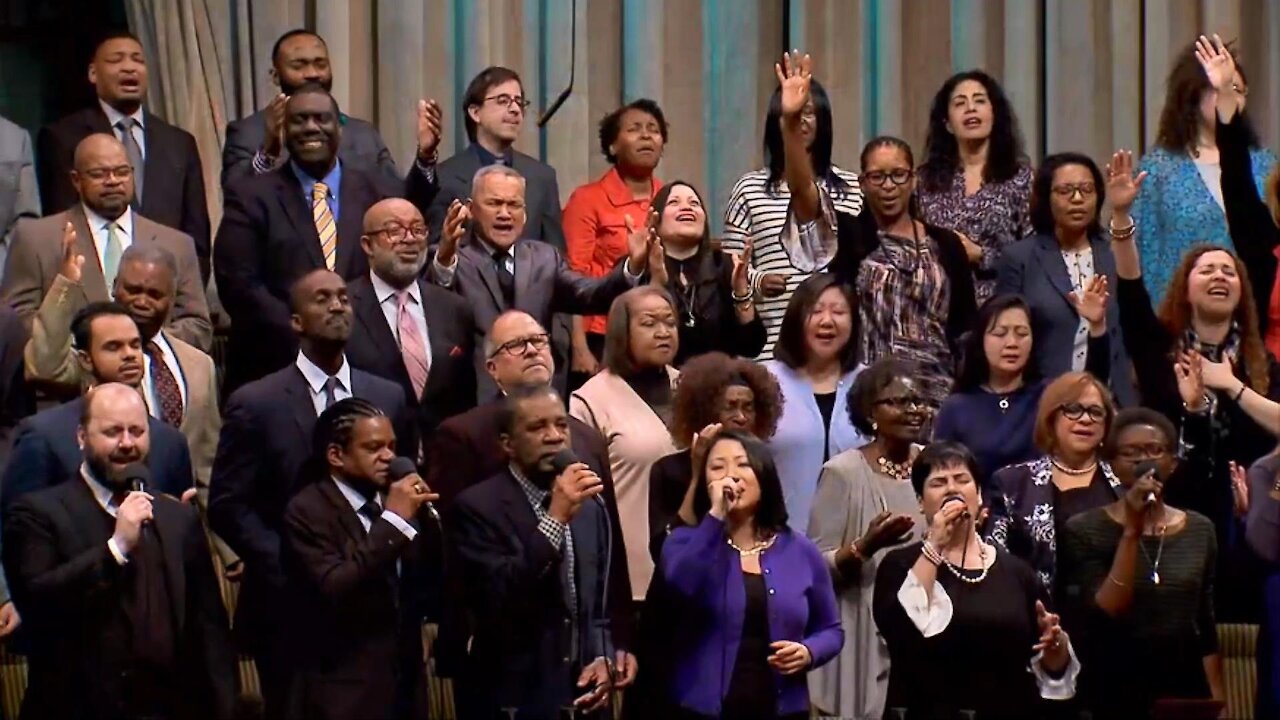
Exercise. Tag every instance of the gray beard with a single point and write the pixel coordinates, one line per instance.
(401, 274)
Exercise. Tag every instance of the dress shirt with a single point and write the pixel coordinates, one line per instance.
(358, 501)
(316, 378)
(98, 228)
(332, 180)
(488, 158)
(139, 136)
(445, 274)
(106, 500)
(148, 380)
(389, 304)
(557, 533)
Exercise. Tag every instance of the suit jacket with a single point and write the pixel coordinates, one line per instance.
(45, 452)
(69, 587)
(33, 277)
(16, 399)
(358, 617)
(514, 596)
(18, 194)
(173, 180)
(262, 454)
(544, 285)
(541, 193)
(451, 330)
(361, 147)
(1034, 268)
(267, 240)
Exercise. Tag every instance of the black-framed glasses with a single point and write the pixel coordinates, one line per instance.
(124, 172)
(879, 178)
(1076, 411)
(903, 402)
(515, 348)
(1086, 189)
(1146, 451)
(399, 233)
(504, 101)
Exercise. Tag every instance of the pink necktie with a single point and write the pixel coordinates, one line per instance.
(412, 347)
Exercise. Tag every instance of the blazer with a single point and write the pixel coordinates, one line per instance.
(267, 240)
(70, 590)
(544, 285)
(451, 331)
(173, 180)
(263, 450)
(360, 147)
(356, 610)
(45, 452)
(34, 273)
(17, 400)
(18, 194)
(541, 193)
(520, 648)
(1034, 269)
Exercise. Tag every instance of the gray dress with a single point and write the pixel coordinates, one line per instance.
(851, 493)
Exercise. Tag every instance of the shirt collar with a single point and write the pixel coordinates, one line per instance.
(114, 116)
(383, 290)
(97, 222)
(316, 378)
(353, 496)
(535, 494)
(618, 192)
(101, 493)
(489, 249)
(488, 158)
(332, 179)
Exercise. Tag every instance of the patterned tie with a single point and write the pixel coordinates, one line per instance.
(111, 256)
(165, 386)
(134, 153)
(326, 228)
(412, 347)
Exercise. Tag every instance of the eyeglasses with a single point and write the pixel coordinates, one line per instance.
(515, 348)
(504, 101)
(903, 402)
(879, 178)
(400, 233)
(124, 172)
(1086, 189)
(1135, 453)
(1076, 411)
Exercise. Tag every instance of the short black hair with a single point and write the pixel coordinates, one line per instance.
(771, 513)
(485, 80)
(975, 371)
(1131, 417)
(82, 322)
(611, 124)
(336, 425)
(296, 32)
(1042, 190)
(791, 350)
(940, 455)
(517, 395)
(315, 88)
(114, 34)
(868, 386)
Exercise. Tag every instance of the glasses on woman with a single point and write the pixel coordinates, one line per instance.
(1068, 190)
(879, 178)
(515, 348)
(1076, 411)
(504, 101)
(903, 402)
(1142, 451)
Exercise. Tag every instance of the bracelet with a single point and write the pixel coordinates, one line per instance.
(1203, 408)
(857, 551)
(1123, 233)
(1240, 393)
(739, 299)
(1117, 582)
(931, 553)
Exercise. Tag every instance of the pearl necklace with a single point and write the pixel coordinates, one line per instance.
(1072, 471)
(982, 558)
(759, 547)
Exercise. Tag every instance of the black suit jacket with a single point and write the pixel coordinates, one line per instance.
(68, 587)
(173, 180)
(267, 240)
(451, 330)
(357, 619)
(262, 456)
(45, 452)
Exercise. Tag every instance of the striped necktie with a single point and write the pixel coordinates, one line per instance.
(326, 228)
(111, 255)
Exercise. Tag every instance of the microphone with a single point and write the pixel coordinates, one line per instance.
(551, 110)
(401, 467)
(137, 475)
(956, 498)
(562, 460)
(1143, 469)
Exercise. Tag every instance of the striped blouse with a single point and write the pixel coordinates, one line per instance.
(760, 214)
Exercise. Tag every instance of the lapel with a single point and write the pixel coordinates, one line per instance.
(81, 506)
(194, 377)
(484, 266)
(515, 506)
(1049, 255)
(524, 255)
(157, 149)
(168, 532)
(342, 509)
(369, 314)
(351, 194)
(93, 280)
(299, 400)
(465, 172)
(289, 194)
(438, 321)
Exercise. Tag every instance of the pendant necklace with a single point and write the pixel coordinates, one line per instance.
(1155, 566)
(1004, 398)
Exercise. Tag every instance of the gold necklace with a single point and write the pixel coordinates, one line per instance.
(897, 471)
(759, 547)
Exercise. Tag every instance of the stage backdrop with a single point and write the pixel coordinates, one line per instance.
(1083, 75)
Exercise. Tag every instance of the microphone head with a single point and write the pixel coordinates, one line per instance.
(562, 460)
(400, 467)
(137, 475)
(1145, 468)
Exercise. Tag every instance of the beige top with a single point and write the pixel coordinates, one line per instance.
(636, 438)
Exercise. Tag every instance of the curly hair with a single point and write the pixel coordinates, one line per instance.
(611, 124)
(1180, 116)
(1005, 153)
(702, 382)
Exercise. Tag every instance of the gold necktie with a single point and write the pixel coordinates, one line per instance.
(326, 228)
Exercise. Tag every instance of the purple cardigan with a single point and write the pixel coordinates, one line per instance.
(703, 576)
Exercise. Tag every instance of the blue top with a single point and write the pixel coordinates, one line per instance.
(995, 437)
(798, 443)
(704, 580)
(1176, 211)
(332, 180)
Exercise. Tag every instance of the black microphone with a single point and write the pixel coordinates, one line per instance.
(956, 498)
(1143, 469)
(562, 460)
(546, 115)
(136, 476)
(401, 467)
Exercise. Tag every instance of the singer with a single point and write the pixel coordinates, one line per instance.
(356, 558)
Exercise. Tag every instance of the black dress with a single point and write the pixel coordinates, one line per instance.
(704, 308)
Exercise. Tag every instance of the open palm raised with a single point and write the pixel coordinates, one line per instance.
(794, 74)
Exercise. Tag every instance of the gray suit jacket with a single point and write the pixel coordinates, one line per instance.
(541, 194)
(1034, 268)
(361, 147)
(18, 193)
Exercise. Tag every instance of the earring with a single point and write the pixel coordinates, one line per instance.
(875, 426)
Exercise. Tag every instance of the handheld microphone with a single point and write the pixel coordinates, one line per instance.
(546, 115)
(401, 467)
(1143, 469)
(956, 498)
(562, 460)
(137, 475)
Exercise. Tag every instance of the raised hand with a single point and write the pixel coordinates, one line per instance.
(452, 232)
(1091, 304)
(1219, 66)
(1122, 184)
(429, 124)
(1187, 369)
(700, 445)
(1239, 489)
(72, 262)
(1053, 640)
(273, 139)
(884, 530)
(741, 263)
(641, 244)
(794, 75)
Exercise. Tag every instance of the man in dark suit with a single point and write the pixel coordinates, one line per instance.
(117, 587)
(306, 214)
(355, 556)
(406, 330)
(494, 107)
(255, 145)
(498, 271)
(109, 350)
(531, 545)
(266, 441)
(168, 178)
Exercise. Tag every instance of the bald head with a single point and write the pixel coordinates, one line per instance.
(111, 397)
(518, 351)
(113, 431)
(321, 310)
(395, 240)
(102, 175)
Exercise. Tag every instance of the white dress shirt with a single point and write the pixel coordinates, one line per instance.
(105, 497)
(389, 303)
(148, 380)
(98, 228)
(316, 378)
(114, 116)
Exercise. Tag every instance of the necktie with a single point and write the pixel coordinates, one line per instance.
(372, 511)
(134, 152)
(111, 256)
(506, 281)
(326, 228)
(330, 392)
(165, 386)
(412, 348)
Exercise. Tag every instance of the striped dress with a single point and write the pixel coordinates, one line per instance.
(762, 215)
